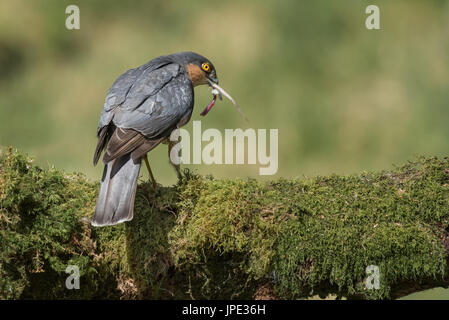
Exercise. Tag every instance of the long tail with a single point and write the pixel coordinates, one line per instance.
(117, 192)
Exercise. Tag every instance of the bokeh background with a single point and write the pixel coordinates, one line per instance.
(344, 98)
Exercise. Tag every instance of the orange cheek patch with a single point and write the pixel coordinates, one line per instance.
(197, 76)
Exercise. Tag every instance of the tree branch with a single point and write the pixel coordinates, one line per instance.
(240, 238)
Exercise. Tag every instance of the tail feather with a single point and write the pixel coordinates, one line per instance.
(115, 202)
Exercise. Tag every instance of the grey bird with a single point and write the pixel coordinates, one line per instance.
(141, 109)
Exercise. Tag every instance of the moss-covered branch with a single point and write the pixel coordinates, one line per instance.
(206, 238)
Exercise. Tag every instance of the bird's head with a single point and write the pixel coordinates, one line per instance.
(202, 71)
(199, 68)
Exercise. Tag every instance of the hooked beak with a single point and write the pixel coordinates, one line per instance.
(221, 91)
(212, 78)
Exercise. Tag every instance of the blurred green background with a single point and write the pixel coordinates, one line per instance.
(344, 98)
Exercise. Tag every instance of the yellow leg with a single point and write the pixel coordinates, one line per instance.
(171, 144)
(145, 158)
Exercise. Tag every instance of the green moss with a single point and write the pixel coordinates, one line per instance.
(41, 231)
(341, 225)
(207, 238)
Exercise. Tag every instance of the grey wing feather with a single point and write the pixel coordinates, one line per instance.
(120, 89)
(159, 113)
(148, 84)
(155, 102)
(116, 96)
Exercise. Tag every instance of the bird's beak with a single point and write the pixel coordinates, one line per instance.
(227, 95)
(212, 78)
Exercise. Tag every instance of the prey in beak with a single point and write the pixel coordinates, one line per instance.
(218, 91)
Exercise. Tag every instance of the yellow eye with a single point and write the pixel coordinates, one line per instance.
(206, 66)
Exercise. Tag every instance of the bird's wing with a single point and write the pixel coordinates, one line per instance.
(153, 107)
(125, 86)
(131, 88)
(160, 110)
